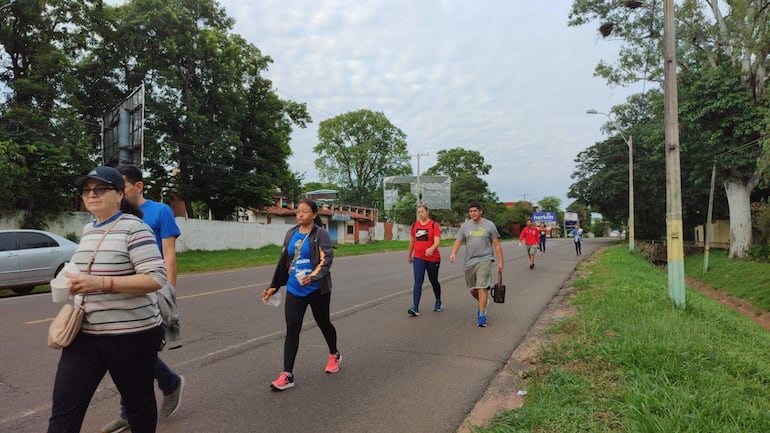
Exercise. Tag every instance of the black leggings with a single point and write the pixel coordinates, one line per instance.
(542, 243)
(578, 250)
(295, 313)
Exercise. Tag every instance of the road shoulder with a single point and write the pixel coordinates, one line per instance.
(504, 392)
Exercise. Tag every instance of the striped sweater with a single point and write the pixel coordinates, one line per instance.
(128, 249)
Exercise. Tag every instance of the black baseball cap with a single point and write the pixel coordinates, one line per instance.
(103, 174)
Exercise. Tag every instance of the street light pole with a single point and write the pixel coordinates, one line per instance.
(630, 143)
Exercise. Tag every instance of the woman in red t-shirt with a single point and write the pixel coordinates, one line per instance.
(424, 256)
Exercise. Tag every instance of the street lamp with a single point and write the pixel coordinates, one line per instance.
(630, 144)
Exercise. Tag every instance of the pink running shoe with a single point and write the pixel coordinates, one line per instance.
(333, 365)
(285, 381)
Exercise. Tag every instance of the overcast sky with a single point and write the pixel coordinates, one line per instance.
(506, 78)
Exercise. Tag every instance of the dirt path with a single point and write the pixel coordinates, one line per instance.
(758, 315)
(504, 393)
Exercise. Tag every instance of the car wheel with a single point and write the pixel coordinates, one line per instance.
(23, 290)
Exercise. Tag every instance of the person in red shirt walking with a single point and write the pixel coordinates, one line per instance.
(531, 237)
(425, 257)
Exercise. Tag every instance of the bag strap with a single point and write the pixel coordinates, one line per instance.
(500, 278)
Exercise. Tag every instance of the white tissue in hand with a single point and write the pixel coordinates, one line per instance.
(68, 270)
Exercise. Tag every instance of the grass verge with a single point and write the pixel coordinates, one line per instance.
(629, 361)
(746, 279)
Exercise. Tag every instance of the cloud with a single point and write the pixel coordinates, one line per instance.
(506, 78)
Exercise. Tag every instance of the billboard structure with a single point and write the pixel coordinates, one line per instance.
(434, 191)
(549, 218)
(570, 222)
(123, 131)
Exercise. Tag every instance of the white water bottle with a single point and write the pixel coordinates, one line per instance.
(275, 300)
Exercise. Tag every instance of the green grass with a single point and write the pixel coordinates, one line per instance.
(746, 279)
(198, 261)
(629, 361)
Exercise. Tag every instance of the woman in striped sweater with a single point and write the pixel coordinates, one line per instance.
(122, 331)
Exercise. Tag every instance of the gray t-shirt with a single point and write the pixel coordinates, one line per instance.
(478, 241)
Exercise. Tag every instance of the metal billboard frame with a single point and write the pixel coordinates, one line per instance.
(123, 131)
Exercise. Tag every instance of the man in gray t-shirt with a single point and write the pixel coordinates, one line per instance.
(481, 242)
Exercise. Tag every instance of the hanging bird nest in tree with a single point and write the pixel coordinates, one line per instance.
(606, 28)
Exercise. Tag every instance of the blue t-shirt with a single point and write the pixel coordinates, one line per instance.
(299, 244)
(577, 235)
(161, 220)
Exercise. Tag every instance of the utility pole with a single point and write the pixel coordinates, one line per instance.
(708, 231)
(630, 143)
(674, 230)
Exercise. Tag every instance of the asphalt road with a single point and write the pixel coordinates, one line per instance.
(398, 374)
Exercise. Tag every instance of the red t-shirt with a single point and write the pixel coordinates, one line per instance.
(423, 235)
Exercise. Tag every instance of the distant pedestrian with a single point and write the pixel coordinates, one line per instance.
(305, 268)
(482, 241)
(121, 270)
(531, 237)
(160, 218)
(425, 257)
(543, 235)
(577, 237)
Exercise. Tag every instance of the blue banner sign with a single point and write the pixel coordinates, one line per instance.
(544, 217)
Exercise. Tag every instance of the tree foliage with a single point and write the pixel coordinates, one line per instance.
(209, 111)
(465, 168)
(721, 47)
(43, 139)
(549, 204)
(357, 150)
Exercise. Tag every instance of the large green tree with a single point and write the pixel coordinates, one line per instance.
(209, 110)
(356, 150)
(601, 174)
(727, 39)
(43, 140)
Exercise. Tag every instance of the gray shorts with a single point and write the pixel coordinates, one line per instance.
(479, 275)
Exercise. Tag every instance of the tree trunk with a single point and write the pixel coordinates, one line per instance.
(739, 201)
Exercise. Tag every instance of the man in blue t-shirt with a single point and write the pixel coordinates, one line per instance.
(160, 218)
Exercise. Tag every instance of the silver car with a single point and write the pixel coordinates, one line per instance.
(29, 258)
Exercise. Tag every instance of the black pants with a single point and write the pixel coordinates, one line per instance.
(578, 250)
(295, 313)
(129, 358)
(542, 243)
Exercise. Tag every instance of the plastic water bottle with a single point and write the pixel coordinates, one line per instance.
(276, 299)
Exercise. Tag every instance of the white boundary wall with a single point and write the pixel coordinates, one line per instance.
(210, 235)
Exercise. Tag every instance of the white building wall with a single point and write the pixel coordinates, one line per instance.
(210, 235)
